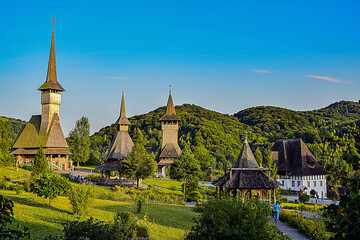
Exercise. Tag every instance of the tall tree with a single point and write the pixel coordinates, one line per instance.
(186, 166)
(79, 141)
(139, 165)
(40, 165)
(258, 157)
(6, 159)
(270, 162)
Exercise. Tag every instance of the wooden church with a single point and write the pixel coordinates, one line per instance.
(45, 129)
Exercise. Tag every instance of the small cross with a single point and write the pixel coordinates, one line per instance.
(246, 135)
(123, 87)
(53, 20)
(170, 88)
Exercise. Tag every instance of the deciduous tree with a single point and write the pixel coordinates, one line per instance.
(79, 141)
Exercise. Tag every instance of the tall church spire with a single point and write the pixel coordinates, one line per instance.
(122, 120)
(170, 114)
(51, 82)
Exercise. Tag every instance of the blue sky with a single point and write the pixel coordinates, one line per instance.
(222, 55)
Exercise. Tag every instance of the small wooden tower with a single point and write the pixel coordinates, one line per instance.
(120, 146)
(246, 175)
(170, 147)
(45, 130)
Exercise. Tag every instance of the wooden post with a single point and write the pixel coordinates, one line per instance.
(274, 196)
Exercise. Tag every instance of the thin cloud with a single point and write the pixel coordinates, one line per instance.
(260, 71)
(118, 78)
(328, 79)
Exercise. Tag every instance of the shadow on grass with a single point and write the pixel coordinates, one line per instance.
(31, 203)
(166, 215)
(38, 230)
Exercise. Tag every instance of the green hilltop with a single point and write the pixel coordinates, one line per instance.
(216, 138)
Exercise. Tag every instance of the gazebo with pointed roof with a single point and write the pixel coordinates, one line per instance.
(170, 148)
(120, 146)
(246, 175)
(45, 129)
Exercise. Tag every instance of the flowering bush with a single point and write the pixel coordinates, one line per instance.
(313, 229)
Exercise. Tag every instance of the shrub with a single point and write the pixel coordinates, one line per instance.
(4, 184)
(194, 196)
(49, 186)
(80, 197)
(313, 192)
(304, 198)
(93, 177)
(333, 195)
(312, 229)
(90, 229)
(233, 219)
(126, 226)
(284, 200)
(19, 189)
(139, 204)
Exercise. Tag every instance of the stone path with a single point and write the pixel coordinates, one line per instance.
(291, 232)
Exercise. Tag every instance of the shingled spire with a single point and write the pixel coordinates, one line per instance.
(122, 120)
(170, 114)
(51, 82)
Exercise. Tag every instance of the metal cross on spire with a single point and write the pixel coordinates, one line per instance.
(123, 87)
(170, 88)
(246, 135)
(53, 20)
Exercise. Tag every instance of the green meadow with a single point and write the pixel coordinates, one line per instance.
(168, 221)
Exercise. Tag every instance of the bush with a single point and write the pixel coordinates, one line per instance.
(80, 197)
(4, 184)
(139, 204)
(333, 195)
(19, 189)
(304, 198)
(313, 192)
(313, 229)
(194, 196)
(93, 177)
(90, 229)
(126, 226)
(284, 200)
(233, 219)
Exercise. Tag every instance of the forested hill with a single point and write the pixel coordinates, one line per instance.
(14, 126)
(217, 138)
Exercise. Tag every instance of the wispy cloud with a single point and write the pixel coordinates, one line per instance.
(260, 71)
(118, 78)
(328, 79)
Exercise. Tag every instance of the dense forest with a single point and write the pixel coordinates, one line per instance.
(331, 133)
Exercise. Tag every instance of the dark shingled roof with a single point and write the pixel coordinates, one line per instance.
(51, 82)
(246, 179)
(110, 166)
(122, 120)
(170, 114)
(120, 147)
(170, 150)
(246, 174)
(31, 137)
(246, 158)
(294, 158)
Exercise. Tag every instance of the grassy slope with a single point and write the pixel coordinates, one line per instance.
(168, 186)
(170, 221)
(6, 171)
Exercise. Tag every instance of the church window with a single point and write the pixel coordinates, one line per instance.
(308, 184)
(293, 183)
(314, 183)
(298, 183)
(321, 183)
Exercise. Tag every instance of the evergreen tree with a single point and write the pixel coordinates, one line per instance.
(79, 141)
(6, 159)
(186, 166)
(258, 157)
(40, 165)
(139, 165)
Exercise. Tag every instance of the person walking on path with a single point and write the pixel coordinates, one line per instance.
(277, 209)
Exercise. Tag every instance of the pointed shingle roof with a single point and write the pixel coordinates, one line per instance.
(170, 114)
(122, 120)
(51, 82)
(246, 158)
(120, 147)
(293, 157)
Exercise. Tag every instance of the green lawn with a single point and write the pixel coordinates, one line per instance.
(169, 221)
(87, 168)
(166, 186)
(6, 171)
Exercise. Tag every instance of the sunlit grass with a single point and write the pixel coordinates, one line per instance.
(6, 172)
(169, 221)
